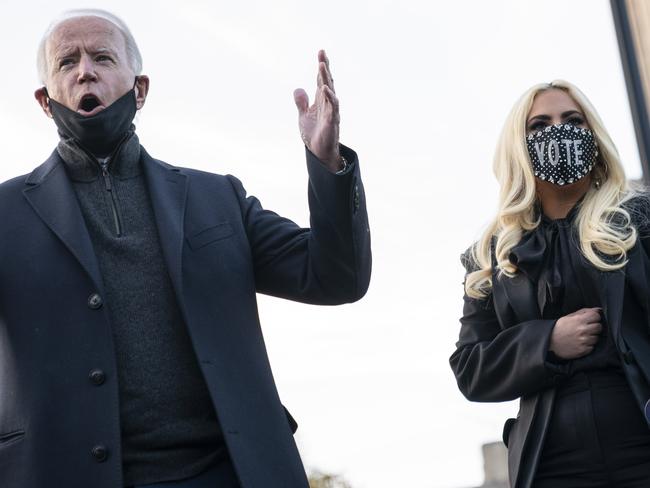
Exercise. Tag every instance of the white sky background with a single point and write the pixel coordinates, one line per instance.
(424, 87)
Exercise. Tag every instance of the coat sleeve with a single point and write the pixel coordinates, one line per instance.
(494, 364)
(330, 262)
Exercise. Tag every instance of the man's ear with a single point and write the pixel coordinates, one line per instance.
(141, 90)
(43, 100)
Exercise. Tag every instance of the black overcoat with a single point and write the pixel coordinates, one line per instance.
(221, 248)
(502, 348)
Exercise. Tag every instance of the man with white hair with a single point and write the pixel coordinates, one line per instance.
(130, 348)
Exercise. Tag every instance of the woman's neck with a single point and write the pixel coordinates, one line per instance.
(557, 201)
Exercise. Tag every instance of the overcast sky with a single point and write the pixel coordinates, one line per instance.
(424, 88)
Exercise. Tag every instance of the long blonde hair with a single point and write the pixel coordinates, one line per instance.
(604, 227)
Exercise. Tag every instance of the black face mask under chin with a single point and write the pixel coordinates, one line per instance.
(101, 133)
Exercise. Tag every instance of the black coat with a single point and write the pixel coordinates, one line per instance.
(503, 343)
(221, 248)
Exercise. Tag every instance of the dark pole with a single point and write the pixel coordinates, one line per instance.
(635, 90)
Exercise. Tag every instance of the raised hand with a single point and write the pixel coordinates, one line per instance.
(319, 123)
(575, 335)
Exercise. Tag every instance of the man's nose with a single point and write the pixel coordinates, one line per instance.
(86, 70)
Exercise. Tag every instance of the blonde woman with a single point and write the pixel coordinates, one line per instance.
(556, 306)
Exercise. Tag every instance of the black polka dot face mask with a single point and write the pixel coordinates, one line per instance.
(562, 154)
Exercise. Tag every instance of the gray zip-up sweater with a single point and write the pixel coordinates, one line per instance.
(169, 427)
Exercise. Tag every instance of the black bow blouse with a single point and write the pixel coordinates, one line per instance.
(550, 257)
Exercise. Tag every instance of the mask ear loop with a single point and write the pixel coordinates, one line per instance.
(600, 161)
(47, 94)
(49, 98)
(135, 84)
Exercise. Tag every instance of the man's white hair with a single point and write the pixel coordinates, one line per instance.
(132, 51)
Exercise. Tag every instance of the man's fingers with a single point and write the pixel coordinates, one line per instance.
(322, 58)
(329, 104)
(324, 76)
(331, 97)
(302, 100)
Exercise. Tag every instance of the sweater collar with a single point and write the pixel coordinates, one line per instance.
(82, 166)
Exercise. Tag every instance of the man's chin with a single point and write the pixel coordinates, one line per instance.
(92, 112)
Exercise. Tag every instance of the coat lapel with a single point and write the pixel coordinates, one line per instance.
(611, 299)
(637, 275)
(521, 297)
(52, 197)
(518, 293)
(168, 194)
(634, 331)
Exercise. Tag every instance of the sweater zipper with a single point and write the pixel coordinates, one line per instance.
(109, 188)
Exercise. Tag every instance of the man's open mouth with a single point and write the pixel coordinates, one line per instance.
(90, 105)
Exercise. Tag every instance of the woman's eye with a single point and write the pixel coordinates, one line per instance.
(102, 58)
(66, 62)
(575, 121)
(539, 125)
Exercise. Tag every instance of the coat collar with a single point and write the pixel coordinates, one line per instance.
(51, 195)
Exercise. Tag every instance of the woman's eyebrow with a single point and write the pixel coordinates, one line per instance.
(568, 113)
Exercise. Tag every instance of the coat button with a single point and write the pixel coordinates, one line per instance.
(356, 197)
(97, 377)
(95, 301)
(100, 453)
